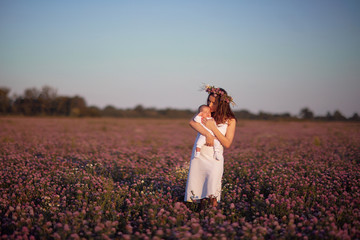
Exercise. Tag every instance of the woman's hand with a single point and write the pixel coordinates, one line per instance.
(209, 123)
(199, 128)
(209, 140)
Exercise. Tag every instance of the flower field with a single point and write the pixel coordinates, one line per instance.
(98, 178)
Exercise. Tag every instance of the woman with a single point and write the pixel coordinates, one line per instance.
(205, 172)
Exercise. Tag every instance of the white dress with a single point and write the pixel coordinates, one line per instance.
(205, 173)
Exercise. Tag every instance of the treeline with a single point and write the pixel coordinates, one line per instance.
(304, 114)
(46, 102)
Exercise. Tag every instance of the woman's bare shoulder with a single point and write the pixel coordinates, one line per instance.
(232, 121)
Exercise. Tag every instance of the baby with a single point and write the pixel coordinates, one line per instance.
(204, 111)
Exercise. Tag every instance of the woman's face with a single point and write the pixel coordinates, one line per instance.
(212, 103)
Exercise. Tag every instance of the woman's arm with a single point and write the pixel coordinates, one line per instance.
(197, 127)
(226, 140)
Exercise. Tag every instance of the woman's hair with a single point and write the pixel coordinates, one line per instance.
(223, 111)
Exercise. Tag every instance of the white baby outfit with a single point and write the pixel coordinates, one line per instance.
(201, 140)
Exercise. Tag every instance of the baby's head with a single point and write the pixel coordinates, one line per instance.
(204, 111)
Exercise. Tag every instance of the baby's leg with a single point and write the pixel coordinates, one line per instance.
(217, 150)
(199, 143)
(217, 145)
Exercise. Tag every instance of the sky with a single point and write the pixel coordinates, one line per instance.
(271, 56)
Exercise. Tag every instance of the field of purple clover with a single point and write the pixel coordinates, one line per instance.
(63, 178)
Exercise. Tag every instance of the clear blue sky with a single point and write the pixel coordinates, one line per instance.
(272, 56)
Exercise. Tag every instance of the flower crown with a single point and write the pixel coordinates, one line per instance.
(218, 92)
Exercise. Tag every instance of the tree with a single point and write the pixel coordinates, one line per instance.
(77, 106)
(329, 117)
(93, 111)
(28, 104)
(5, 104)
(111, 111)
(338, 116)
(139, 108)
(264, 116)
(355, 117)
(306, 113)
(62, 106)
(46, 99)
(245, 114)
(48, 92)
